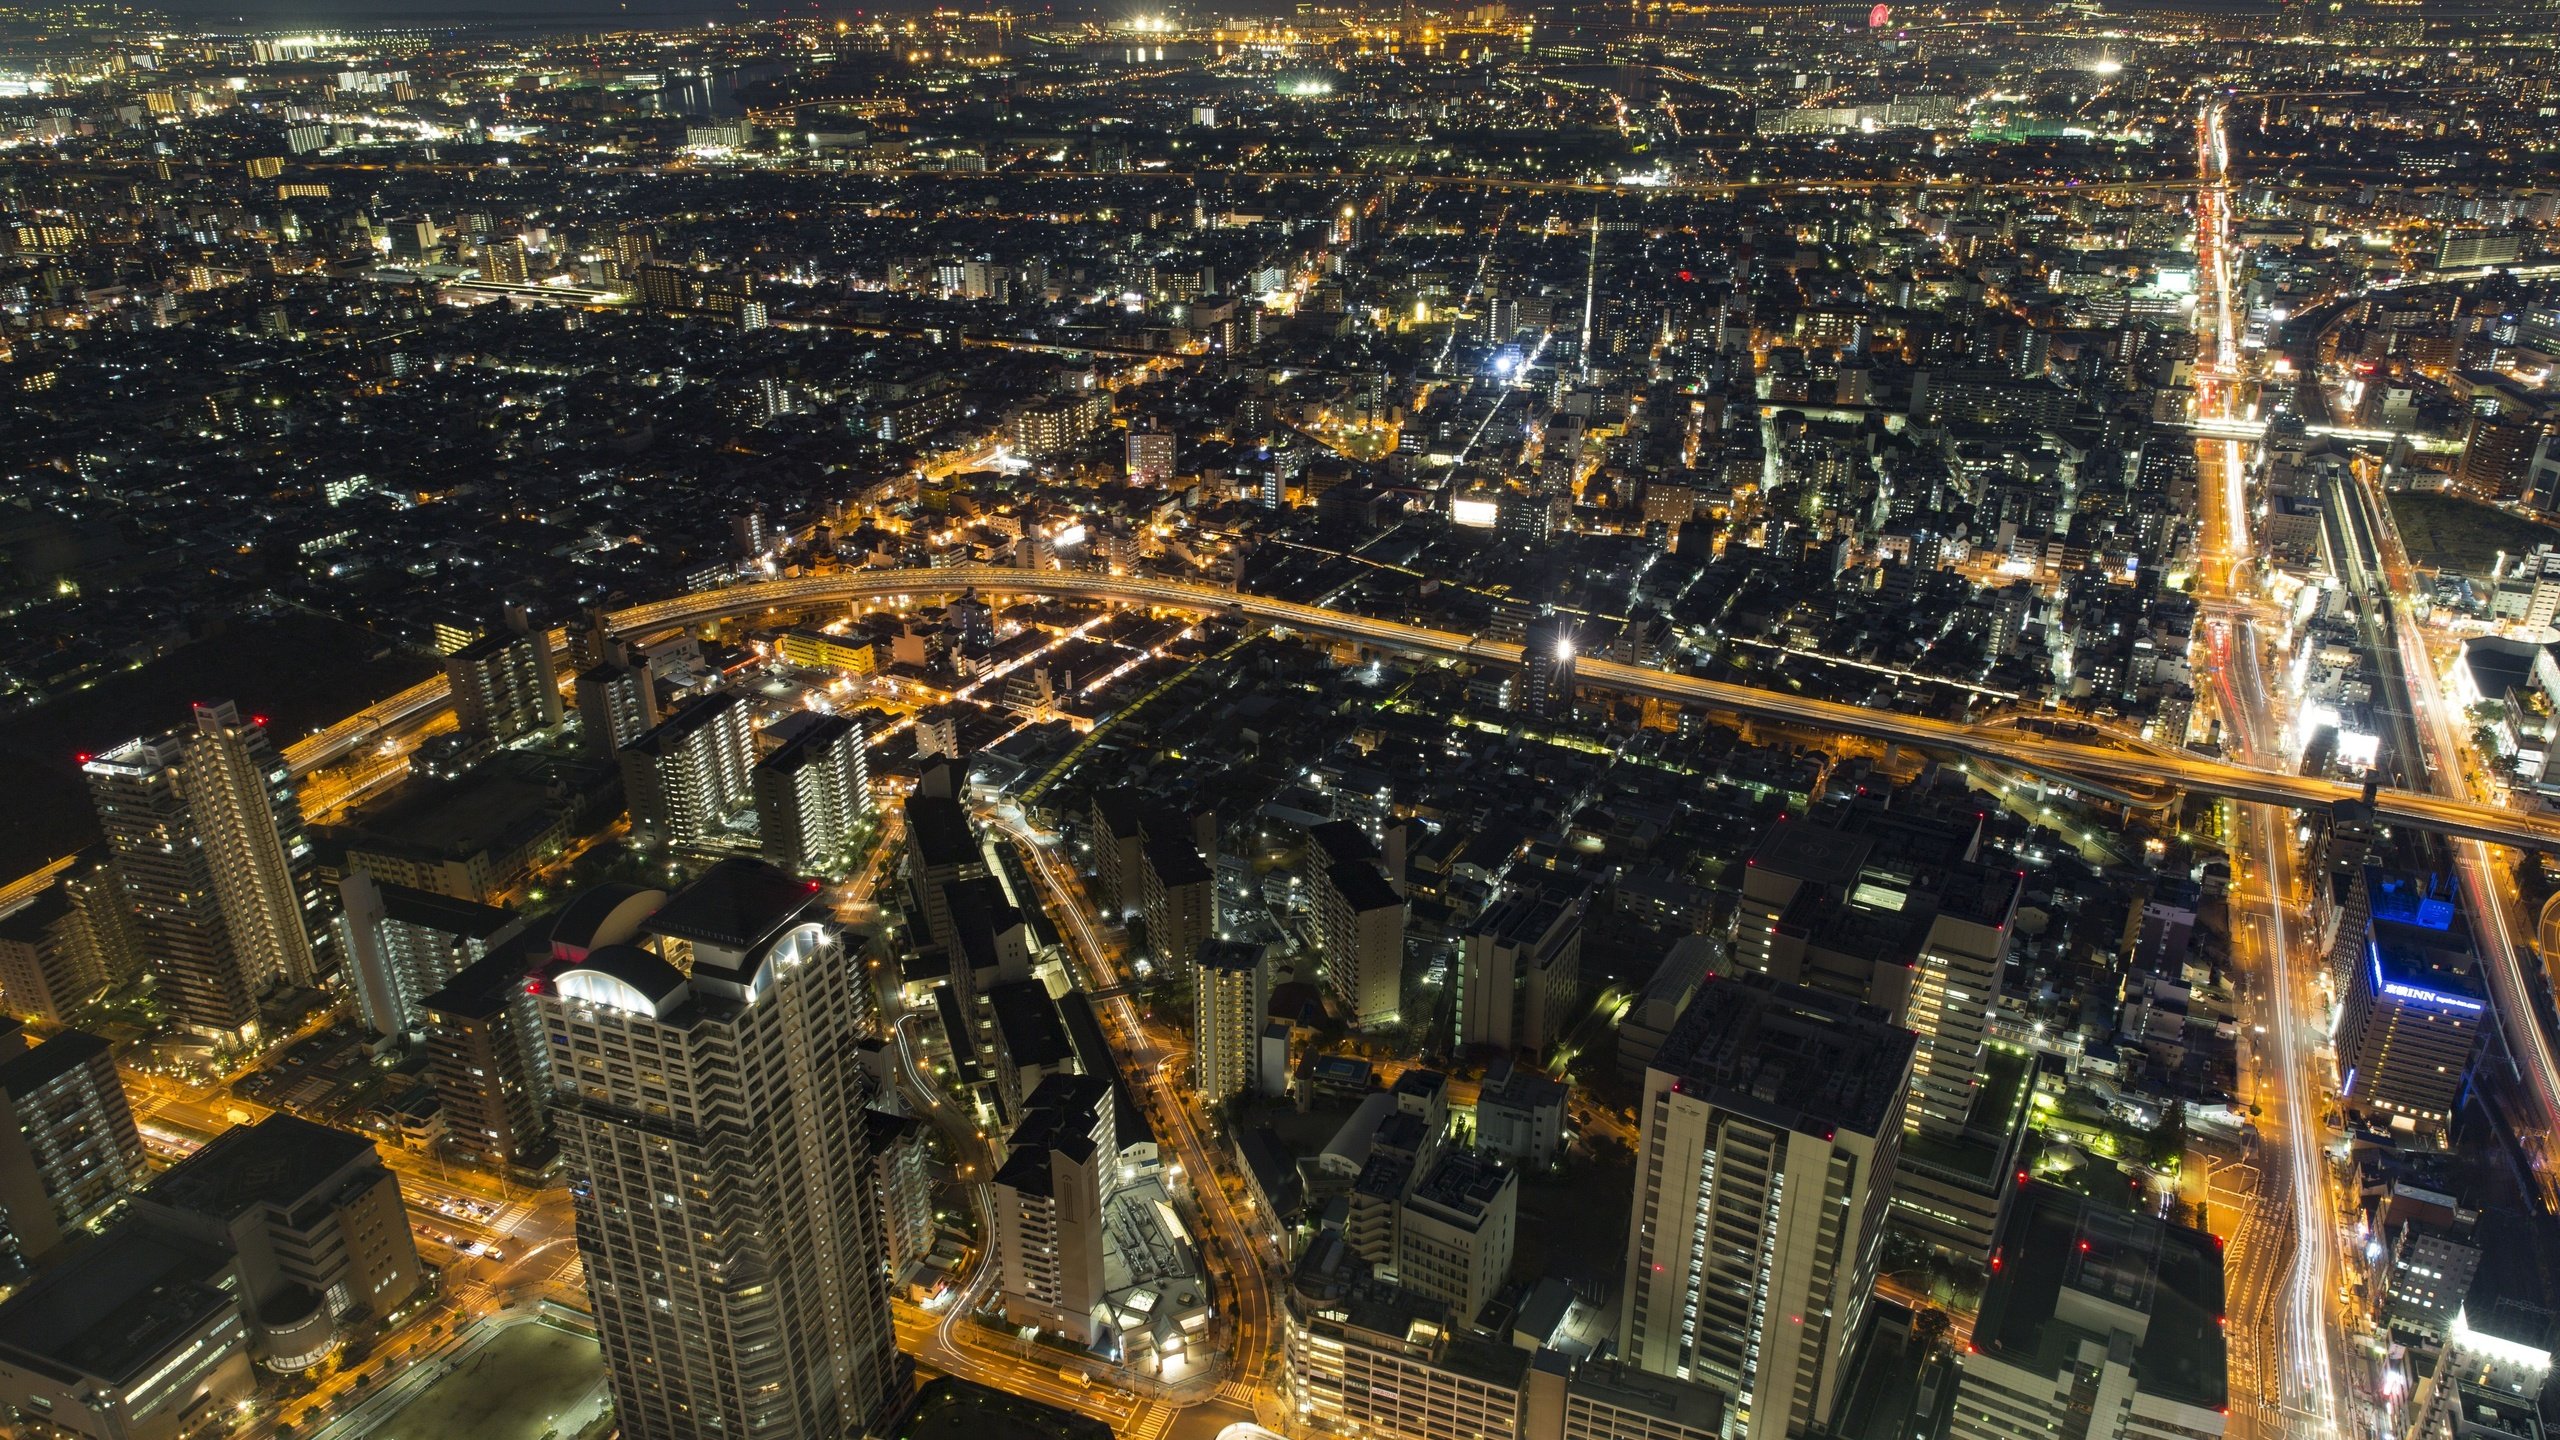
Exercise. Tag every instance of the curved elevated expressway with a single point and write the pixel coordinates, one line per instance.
(2100, 767)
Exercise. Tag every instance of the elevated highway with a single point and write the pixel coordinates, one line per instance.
(2064, 761)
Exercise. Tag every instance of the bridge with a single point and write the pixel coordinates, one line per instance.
(2108, 768)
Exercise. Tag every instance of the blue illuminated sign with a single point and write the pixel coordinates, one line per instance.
(2398, 991)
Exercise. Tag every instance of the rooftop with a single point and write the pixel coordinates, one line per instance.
(1795, 1056)
(2164, 1280)
(736, 905)
(278, 1163)
(113, 1307)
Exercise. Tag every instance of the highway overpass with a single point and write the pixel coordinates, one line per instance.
(2064, 761)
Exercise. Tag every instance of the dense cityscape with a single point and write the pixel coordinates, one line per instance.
(1694, 721)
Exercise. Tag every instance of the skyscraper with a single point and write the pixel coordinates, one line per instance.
(708, 1096)
(207, 834)
(1771, 1115)
(1230, 991)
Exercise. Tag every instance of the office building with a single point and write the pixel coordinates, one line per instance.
(2409, 1025)
(707, 1050)
(1230, 995)
(68, 1146)
(403, 944)
(688, 775)
(317, 1237)
(2096, 1322)
(617, 704)
(207, 839)
(1771, 1118)
(487, 1059)
(1545, 687)
(942, 853)
(812, 791)
(1178, 896)
(1048, 1245)
(2490, 1376)
(1520, 981)
(503, 684)
(137, 1337)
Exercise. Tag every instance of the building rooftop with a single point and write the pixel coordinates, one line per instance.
(684, 723)
(29, 1071)
(113, 1307)
(736, 905)
(276, 1164)
(2162, 1283)
(1027, 1020)
(1794, 1056)
(483, 988)
(1243, 956)
(804, 736)
(938, 833)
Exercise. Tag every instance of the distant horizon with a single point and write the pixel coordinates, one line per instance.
(377, 13)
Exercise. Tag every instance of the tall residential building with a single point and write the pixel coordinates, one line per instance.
(403, 944)
(1360, 921)
(901, 1167)
(2097, 1323)
(1771, 1118)
(688, 775)
(1521, 978)
(109, 928)
(503, 684)
(709, 1092)
(2409, 1024)
(486, 1058)
(248, 809)
(1058, 1168)
(208, 842)
(812, 791)
(1150, 455)
(49, 960)
(1230, 993)
(1178, 895)
(317, 1237)
(1545, 686)
(617, 704)
(68, 1146)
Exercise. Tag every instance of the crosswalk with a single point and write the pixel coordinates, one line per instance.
(506, 1221)
(1236, 1392)
(1150, 1422)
